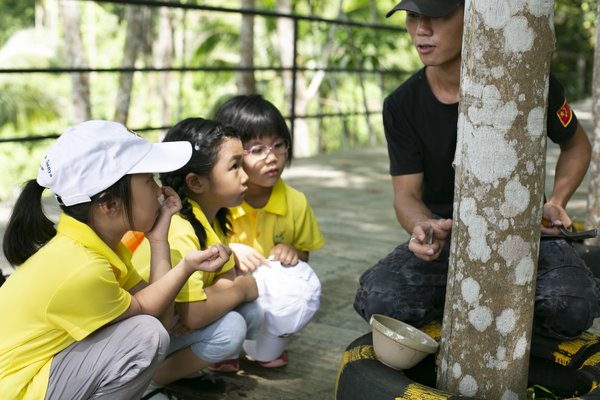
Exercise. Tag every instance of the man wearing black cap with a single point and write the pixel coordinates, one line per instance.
(420, 120)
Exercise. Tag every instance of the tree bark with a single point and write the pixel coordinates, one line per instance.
(245, 79)
(80, 84)
(593, 211)
(500, 164)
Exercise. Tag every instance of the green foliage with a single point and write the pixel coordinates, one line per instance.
(14, 16)
(574, 25)
(41, 103)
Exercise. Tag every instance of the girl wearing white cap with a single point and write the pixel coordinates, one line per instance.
(72, 327)
(275, 221)
(217, 308)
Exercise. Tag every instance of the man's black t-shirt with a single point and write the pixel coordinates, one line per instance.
(421, 134)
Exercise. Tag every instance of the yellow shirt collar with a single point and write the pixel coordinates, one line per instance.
(277, 203)
(83, 234)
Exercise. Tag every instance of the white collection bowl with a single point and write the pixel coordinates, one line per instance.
(400, 345)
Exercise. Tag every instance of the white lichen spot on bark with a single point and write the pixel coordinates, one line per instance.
(520, 348)
(493, 111)
(456, 370)
(468, 386)
(516, 199)
(480, 318)
(509, 395)
(535, 122)
(490, 148)
(490, 214)
(501, 353)
(496, 363)
(470, 290)
(494, 14)
(491, 120)
(539, 8)
(506, 321)
(524, 271)
(477, 227)
(530, 167)
(498, 72)
(503, 224)
(513, 249)
(518, 35)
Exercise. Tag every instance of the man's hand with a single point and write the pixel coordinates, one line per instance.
(428, 237)
(553, 217)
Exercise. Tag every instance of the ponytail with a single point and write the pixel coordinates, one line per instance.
(28, 228)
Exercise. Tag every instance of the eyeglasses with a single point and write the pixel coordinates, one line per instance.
(259, 152)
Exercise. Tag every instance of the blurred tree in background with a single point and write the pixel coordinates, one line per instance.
(575, 30)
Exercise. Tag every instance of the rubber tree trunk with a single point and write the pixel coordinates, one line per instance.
(500, 169)
(593, 211)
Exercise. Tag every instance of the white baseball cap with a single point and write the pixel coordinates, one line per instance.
(290, 298)
(90, 157)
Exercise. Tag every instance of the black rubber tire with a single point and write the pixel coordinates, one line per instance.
(568, 369)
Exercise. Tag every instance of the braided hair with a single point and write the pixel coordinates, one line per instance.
(206, 137)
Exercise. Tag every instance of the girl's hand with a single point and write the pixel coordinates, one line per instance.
(247, 258)
(209, 260)
(285, 253)
(171, 204)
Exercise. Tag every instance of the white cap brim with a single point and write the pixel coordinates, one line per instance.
(163, 157)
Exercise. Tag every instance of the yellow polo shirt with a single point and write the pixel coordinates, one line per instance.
(68, 289)
(286, 218)
(182, 240)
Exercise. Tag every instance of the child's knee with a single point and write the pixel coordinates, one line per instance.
(227, 341)
(151, 334)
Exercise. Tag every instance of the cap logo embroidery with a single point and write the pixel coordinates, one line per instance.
(565, 114)
(48, 167)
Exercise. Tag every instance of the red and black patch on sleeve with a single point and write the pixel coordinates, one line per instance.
(565, 114)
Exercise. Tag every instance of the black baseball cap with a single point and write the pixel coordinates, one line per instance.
(428, 8)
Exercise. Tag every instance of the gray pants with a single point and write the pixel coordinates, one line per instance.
(115, 362)
(407, 288)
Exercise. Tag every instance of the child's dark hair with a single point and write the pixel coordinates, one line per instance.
(29, 229)
(206, 137)
(255, 118)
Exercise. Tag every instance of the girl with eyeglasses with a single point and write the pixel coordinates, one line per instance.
(275, 221)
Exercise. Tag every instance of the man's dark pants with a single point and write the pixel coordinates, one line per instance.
(412, 290)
